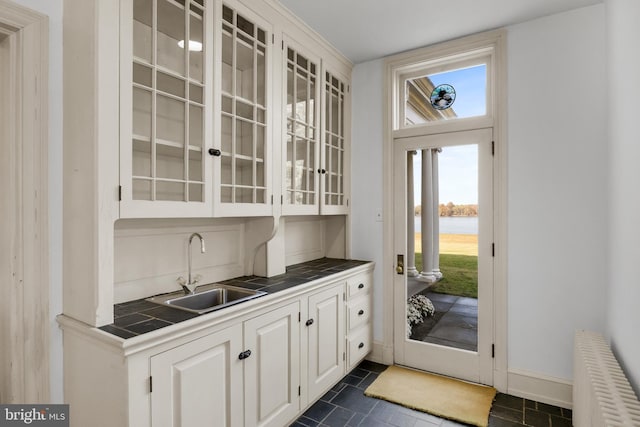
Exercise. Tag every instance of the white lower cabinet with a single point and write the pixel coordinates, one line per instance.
(256, 368)
(325, 332)
(272, 370)
(199, 382)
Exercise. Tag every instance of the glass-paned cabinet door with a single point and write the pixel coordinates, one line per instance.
(244, 116)
(301, 138)
(335, 145)
(165, 79)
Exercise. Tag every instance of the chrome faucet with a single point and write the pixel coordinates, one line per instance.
(189, 286)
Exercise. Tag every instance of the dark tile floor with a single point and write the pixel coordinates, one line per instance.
(346, 405)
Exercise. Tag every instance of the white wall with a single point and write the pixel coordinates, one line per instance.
(557, 179)
(366, 176)
(623, 314)
(53, 9)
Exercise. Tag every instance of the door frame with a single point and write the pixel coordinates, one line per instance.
(495, 42)
(471, 366)
(25, 119)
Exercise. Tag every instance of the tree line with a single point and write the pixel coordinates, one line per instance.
(452, 210)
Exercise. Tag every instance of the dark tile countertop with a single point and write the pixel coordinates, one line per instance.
(137, 317)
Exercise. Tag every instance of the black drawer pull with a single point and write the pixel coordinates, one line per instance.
(361, 285)
(361, 312)
(244, 354)
(309, 322)
(215, 152)
(361, 345)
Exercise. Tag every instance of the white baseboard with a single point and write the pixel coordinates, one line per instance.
(541, 388)
(381, 354)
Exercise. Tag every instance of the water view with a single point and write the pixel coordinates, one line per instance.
(453, 224)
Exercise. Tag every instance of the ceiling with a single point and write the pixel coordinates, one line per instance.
(368, 29)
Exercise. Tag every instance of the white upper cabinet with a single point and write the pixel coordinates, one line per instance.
(315, 140)
(301, 125)
(336, 144)
(203, 97)
(166, 91)
(242, 172)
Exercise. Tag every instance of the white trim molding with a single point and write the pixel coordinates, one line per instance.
(540, 388)
(26, 303)
(496, 118)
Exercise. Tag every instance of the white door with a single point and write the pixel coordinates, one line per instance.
(443, 242)
(326, 331)
(272, 369)
(199, 383)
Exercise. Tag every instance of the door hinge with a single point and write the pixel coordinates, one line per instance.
(273, 39)
(150, 384)
(493, 249)
(282, 199)
(344, 356)
(299, 390)
(493, 351)
(344, 297)
(120, 193)
(493, 148)
(299, 317)
(282, 44)
(272, 199)
(347, 202)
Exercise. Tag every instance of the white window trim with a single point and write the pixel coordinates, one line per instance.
(395, 67)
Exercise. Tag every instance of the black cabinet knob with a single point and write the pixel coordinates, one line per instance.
(361, 312)
(244, 354)
(361, 345)
(322, 171)
(215, 152)
(309, 322)
(361, 285)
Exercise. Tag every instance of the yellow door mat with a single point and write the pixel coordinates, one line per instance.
(434, 394)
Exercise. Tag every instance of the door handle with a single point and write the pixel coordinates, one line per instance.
(400, 264)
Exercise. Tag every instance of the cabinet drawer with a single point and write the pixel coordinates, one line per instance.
(359, 285)
(358, 312)
(359, 345)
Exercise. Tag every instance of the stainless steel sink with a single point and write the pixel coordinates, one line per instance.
(207, 298)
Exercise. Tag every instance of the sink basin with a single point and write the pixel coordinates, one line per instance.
(207, 298)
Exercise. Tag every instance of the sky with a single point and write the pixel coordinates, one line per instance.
(458, 165)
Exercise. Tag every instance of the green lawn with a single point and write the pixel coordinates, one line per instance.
(460, 275)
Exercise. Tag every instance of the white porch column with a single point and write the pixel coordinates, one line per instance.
(411, 217)
(426, 274)
(436, 213)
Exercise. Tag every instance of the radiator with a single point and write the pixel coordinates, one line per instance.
(602, 395)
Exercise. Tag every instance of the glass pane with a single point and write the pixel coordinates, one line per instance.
(225, 173)
(170, 119)
(141, 114)
(289, 176)
(169, 162)
(142, 74)
(226, 134)
(290, 93)
(244, 172)
(301, 165)
(227, 104)
(141, 189)
(446, 95)
(244, 138)
(173, 191)
(261, 196)
(195, 165)
(195, 93)
(171, 36)
(260, 130)
(196, 125)
(142, 38)
(196, 42)
(442, 246)
(244, 71)
(225, 195)
(259, 174)
(170, 84)
(260, 77)
(227, 63)
(196, 192)
(141, 158)
(244, 110)
(244, 195)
